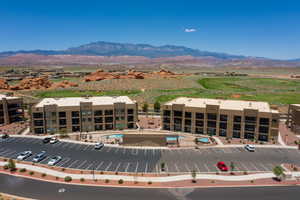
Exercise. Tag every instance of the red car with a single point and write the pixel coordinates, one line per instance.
(222, 166)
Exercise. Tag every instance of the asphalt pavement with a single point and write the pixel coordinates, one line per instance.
(83, 156)
(49, 191)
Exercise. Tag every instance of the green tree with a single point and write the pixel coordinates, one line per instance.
(156, 106)
(194, 175)
(145, 107)
(162, 166)
(11, 165)
(279, 172)
(232, 166)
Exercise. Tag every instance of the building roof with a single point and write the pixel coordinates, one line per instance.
(75, 101)
(224, 104)
(7, 97)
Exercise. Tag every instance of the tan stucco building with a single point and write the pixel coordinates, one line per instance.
(83, 114)
(293, 120)
(228, 118)
(11, 109)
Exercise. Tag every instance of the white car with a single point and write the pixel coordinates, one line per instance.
(99, 145)
(23, 155)
(250, 147)
(53, 140)
(54, 160)
(39, 157)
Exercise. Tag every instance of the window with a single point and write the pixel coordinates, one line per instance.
(108, 126)
(264, 121)
(75, 113)
(109, 112)
(263, 137)
(178, 113)
(38, 130)
(250, 127)
(223, 125)
(199, 123)
(199, 116)
(166, 120)
(187, 129)
(98, 127)
(211, 131)
(62, 114)
(249, 135)
(130, 111)
(250, 119)
(166, 127)
(188, 115)
(237, 127)
(75, 128)
(236, 134)
(212, 124)
(211, 116)
(199, 130)
(188, 122)
(177, 121)
(237, 118)
(222, 132)
(75, 121)
(108, 119)
(167, 112)
(264, 129)
(130, 125)
(98, 119)
(223, 117)
(130, 118)
(38, 122)
(177, 127)
(62, 121)
(120, 112)
(98, 112)
(38, 115)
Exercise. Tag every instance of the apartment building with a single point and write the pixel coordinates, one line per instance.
(11, 109)
(56, 115)
(293, 120)
(228, 118)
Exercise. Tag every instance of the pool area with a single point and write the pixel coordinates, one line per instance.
(115, 136)
(169, 138)
(203, 140)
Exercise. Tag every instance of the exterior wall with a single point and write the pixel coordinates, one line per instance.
(293, 120)
(83, 118)
(212, 120)
(11, 110)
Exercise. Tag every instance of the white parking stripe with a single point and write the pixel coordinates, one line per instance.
(63, 161)
(146, 168)
(124, 151)
(263, 166)
(153, 152)
(117, 168)
(244, 166)
(197, 168)
(108, 166)
(98, 167)
(145, 152)
(70, 166)
(176, 167)
(187, 167)
(89, 166)
(81, 164)
(117, 149)
(3, 153)
(206, 167)
(127, 167)
(108, 149)
(10, 153)
(136, 168)
(85, 148)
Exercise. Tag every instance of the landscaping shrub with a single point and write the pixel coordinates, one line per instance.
(57, 178)
(5, 167)
(43, 174)
(31, 173)
(68, 179)
(22, 170)
(121, 181)
(82, 180)
(149, 182)
(106, 181)
(245, 173)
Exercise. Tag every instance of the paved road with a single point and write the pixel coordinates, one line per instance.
(48, 191)
(82, 156)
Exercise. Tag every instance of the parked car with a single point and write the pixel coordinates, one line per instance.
(54, 160)
(46, 140)
(99, 145)
(4, 136)
(250, 147)
(23, 155)
(222, 166)
(39, 157)
(53, 140)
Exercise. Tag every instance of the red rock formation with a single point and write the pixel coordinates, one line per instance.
(33, 84)
(64, 84)
(4, 84)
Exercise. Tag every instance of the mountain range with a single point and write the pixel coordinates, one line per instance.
(109, 52)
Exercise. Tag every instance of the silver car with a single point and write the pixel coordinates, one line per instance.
(23, 155)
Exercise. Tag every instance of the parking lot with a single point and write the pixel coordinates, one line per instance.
(82, 156)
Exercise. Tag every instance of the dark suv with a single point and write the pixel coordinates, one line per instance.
(46, 140)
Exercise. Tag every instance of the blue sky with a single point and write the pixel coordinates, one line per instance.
(267, 28)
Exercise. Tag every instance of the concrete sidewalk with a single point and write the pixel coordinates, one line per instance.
(147, 179)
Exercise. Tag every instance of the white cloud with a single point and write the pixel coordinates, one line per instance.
(190, 30)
